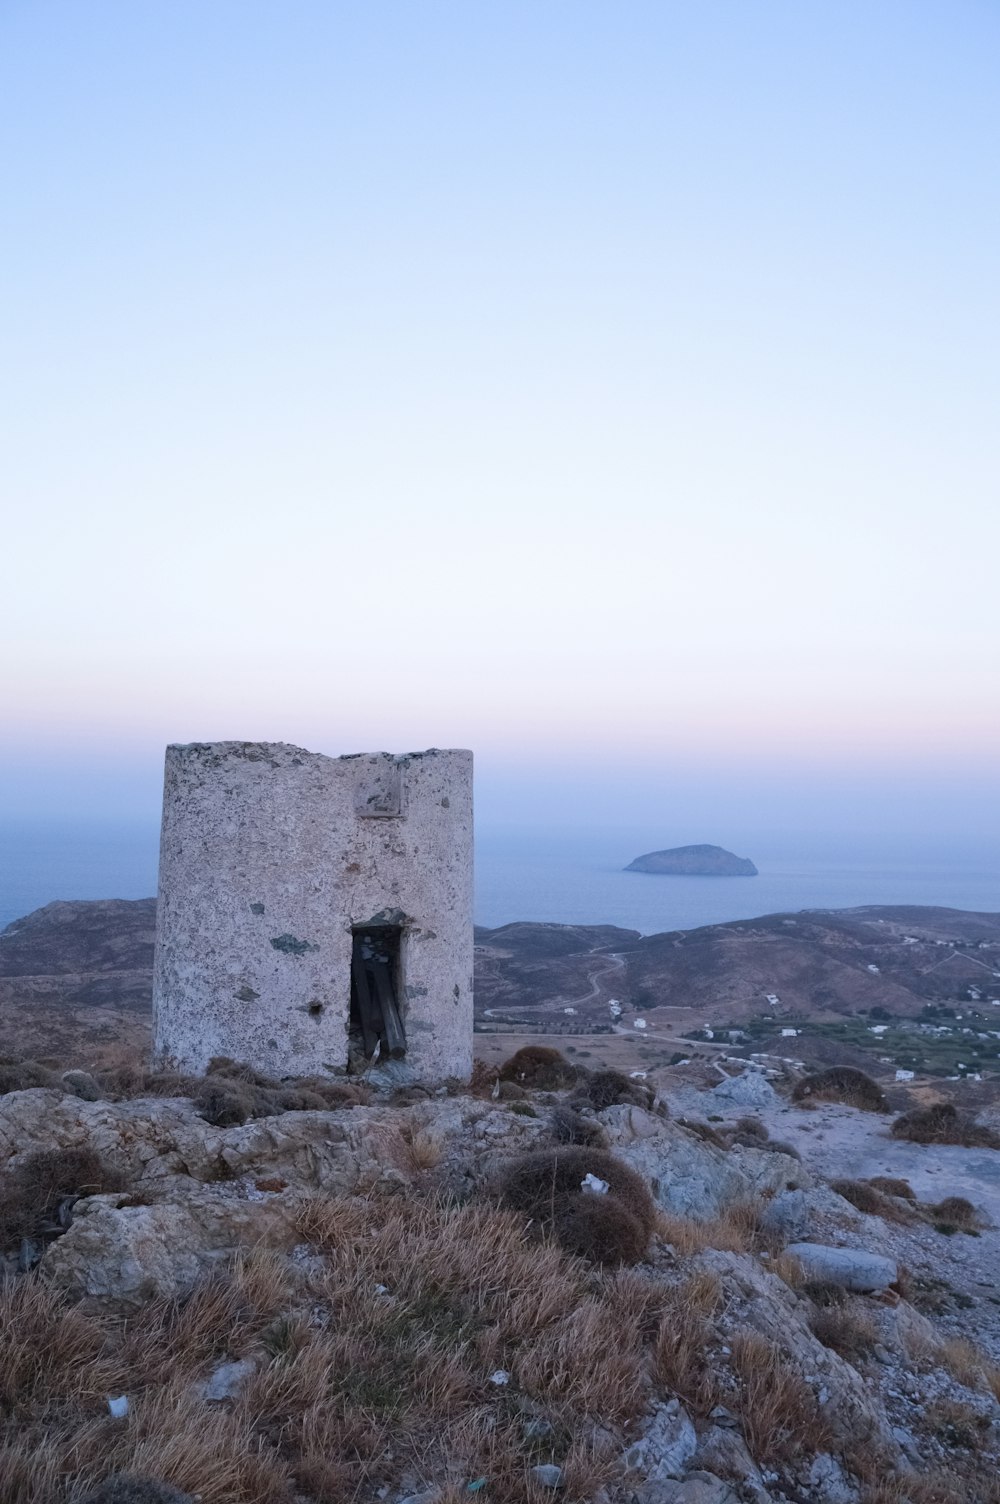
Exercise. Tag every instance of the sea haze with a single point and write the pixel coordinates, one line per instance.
(564, 876)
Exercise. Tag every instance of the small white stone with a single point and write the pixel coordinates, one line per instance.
(500, 1376)
(548, 1475)
(594, 1185)
(119, 1406)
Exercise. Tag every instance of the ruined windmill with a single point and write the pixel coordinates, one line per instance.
(315, 913)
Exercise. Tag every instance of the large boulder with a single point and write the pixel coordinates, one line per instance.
(688, 1176)
(851, 1268)
(749, 1089)
(666, 1446)
(126, 1254)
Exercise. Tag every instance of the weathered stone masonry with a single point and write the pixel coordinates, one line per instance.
(272, 860)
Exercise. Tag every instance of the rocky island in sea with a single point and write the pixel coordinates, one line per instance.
(694, 861)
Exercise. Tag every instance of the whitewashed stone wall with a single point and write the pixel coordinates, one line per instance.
(269, 855)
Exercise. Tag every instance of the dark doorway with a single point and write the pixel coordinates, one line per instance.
(376, 1016)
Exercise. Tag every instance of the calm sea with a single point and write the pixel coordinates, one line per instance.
(565, 876)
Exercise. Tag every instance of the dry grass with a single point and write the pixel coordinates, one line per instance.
(932, 1487)
(787, 1267)
(957, 1424)
(682, 1354)
(969, 1365)
(423, 1149)
(373, 1366)
(51, 1351)
(779, 1413)
(847, 1329)
(738, 1229)
(373, 1363)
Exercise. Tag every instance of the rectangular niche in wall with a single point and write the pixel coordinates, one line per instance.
(378, 792)
(376, 974)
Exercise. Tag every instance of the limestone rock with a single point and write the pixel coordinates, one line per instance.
(750, 1089)
(829, 1482)
(766, 1304)
(127, 1254)
(687, 1176)
(227, 1381)
(787, 1215)
(852, 1268)
(666, 1446)
(697, 1488)
(548, 1474)
(722, 1451)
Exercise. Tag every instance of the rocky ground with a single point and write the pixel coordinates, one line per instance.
(336, 1304)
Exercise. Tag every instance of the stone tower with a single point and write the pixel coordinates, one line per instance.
(314, 910)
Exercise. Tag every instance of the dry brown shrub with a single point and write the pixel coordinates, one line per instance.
(483, 1079)
(607, 1088)
(873, 1202)
(841, 1083)
(954, 1214)
(779, 1413)
(539, 1066)
(31, 1193)
(17, 1074)
(570, 1127)
(601, 1230)
(892, 1185)
(548, 1187)
(942, 1123)
(847, 1329)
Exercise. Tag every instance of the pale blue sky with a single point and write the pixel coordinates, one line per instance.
(606, 387)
